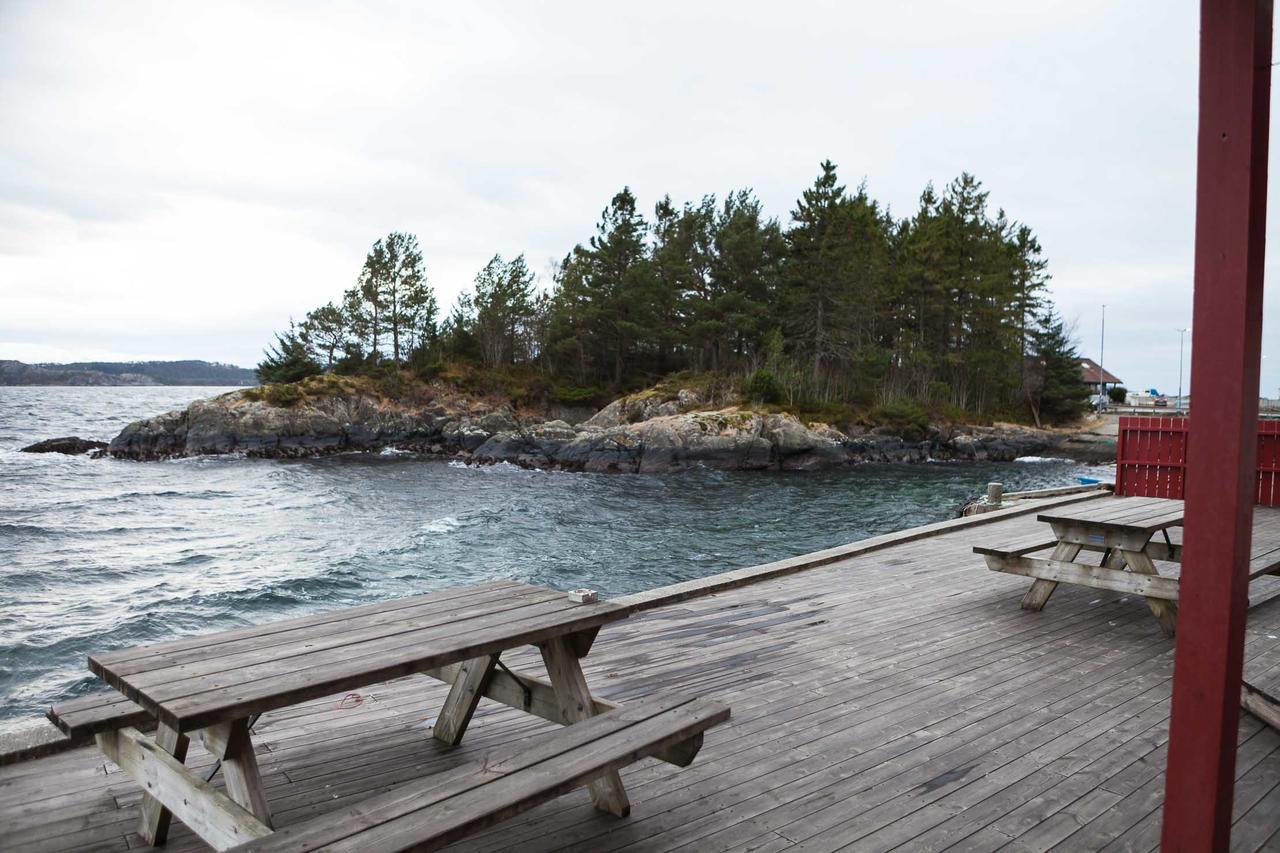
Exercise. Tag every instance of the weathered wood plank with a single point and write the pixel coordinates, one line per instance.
(32, 741)
(571, 690)
(438, 616)
(1096, 577)
(85, 716)
(276, 684)
(1089, 535)
(154, 826)
(1162, 606)
(1099, 510)
(464, 695)
(232, 744)
(207, 811)
(540, 698)
(1132, 513)
(1018, 547)
(1038, 595)
(1261, 704)
(267, 629)
(429, 813)
(535, 695)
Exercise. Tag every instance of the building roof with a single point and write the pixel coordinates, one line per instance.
(1089, 373)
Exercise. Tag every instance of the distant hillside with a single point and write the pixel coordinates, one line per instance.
(126, 373)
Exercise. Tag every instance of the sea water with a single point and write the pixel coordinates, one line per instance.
(98, 554)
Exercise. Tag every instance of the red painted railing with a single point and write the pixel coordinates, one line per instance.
(1268, 463)
(1151, 458)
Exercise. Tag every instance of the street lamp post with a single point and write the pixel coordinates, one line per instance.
(1182, 340)
(1102, 349)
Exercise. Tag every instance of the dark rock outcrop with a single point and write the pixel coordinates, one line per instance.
(1089, 447)
(735, 440)
(646, 434)
(237, 423)
(71, 444)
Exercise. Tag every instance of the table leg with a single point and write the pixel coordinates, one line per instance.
(1165, 611)
(155, 817)
(232, 744)
(464, 695)
(576, 704)
(1041, 589)
(209, 813)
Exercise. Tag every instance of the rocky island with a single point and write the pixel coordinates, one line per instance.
(653, 431)
(786, 349)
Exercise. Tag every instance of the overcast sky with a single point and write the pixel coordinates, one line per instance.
(178, 179)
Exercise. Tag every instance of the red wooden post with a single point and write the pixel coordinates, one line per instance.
(1231, 183)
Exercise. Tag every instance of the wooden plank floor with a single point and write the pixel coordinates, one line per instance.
(897, 699)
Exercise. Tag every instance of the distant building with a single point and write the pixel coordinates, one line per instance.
(1095, 377)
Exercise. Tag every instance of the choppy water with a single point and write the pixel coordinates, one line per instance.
(100, 554)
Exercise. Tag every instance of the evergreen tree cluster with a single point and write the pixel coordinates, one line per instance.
(390, 313)
(843, 304)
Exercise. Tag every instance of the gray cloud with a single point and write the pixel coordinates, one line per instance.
(179, 178)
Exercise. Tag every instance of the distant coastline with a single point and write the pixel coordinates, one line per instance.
(126, 373)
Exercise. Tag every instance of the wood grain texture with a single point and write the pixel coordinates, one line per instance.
(207, 690)
(196, 803)
(561, 658)
(155, 818)
(468, 686)
(1054, 571)
(1043, 586)
(232, 744)
(429, 813)
(83, 717)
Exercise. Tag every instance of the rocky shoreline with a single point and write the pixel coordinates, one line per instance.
(644, 433)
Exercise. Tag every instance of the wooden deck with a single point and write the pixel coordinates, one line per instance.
(897, 698)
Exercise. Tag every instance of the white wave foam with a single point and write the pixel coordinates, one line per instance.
(502, 466)
(395, 451)
(491, 467)
(441, 525)
(1039, 459)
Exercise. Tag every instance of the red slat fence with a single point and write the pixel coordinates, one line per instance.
(1151, 458)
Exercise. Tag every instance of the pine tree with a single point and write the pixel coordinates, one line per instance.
(419, 316)
(289, 359)
(503, 309)
(457, 333)
(395, 288)
(326, 329)
(1030, 280)
(570, 346)
(1052, 386)
(745, 273)
(836, 283)
(605, 297)
(368, 314)
(686, 319)
(815, 306)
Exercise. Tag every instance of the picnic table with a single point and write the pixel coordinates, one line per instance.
(214, 686)
(1132, 534)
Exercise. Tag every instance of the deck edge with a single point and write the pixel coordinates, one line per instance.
(685, 590)
(33, 741)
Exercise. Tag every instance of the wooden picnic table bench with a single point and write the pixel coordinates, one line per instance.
(1131, 533)
(212, 686)
(430, 813)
